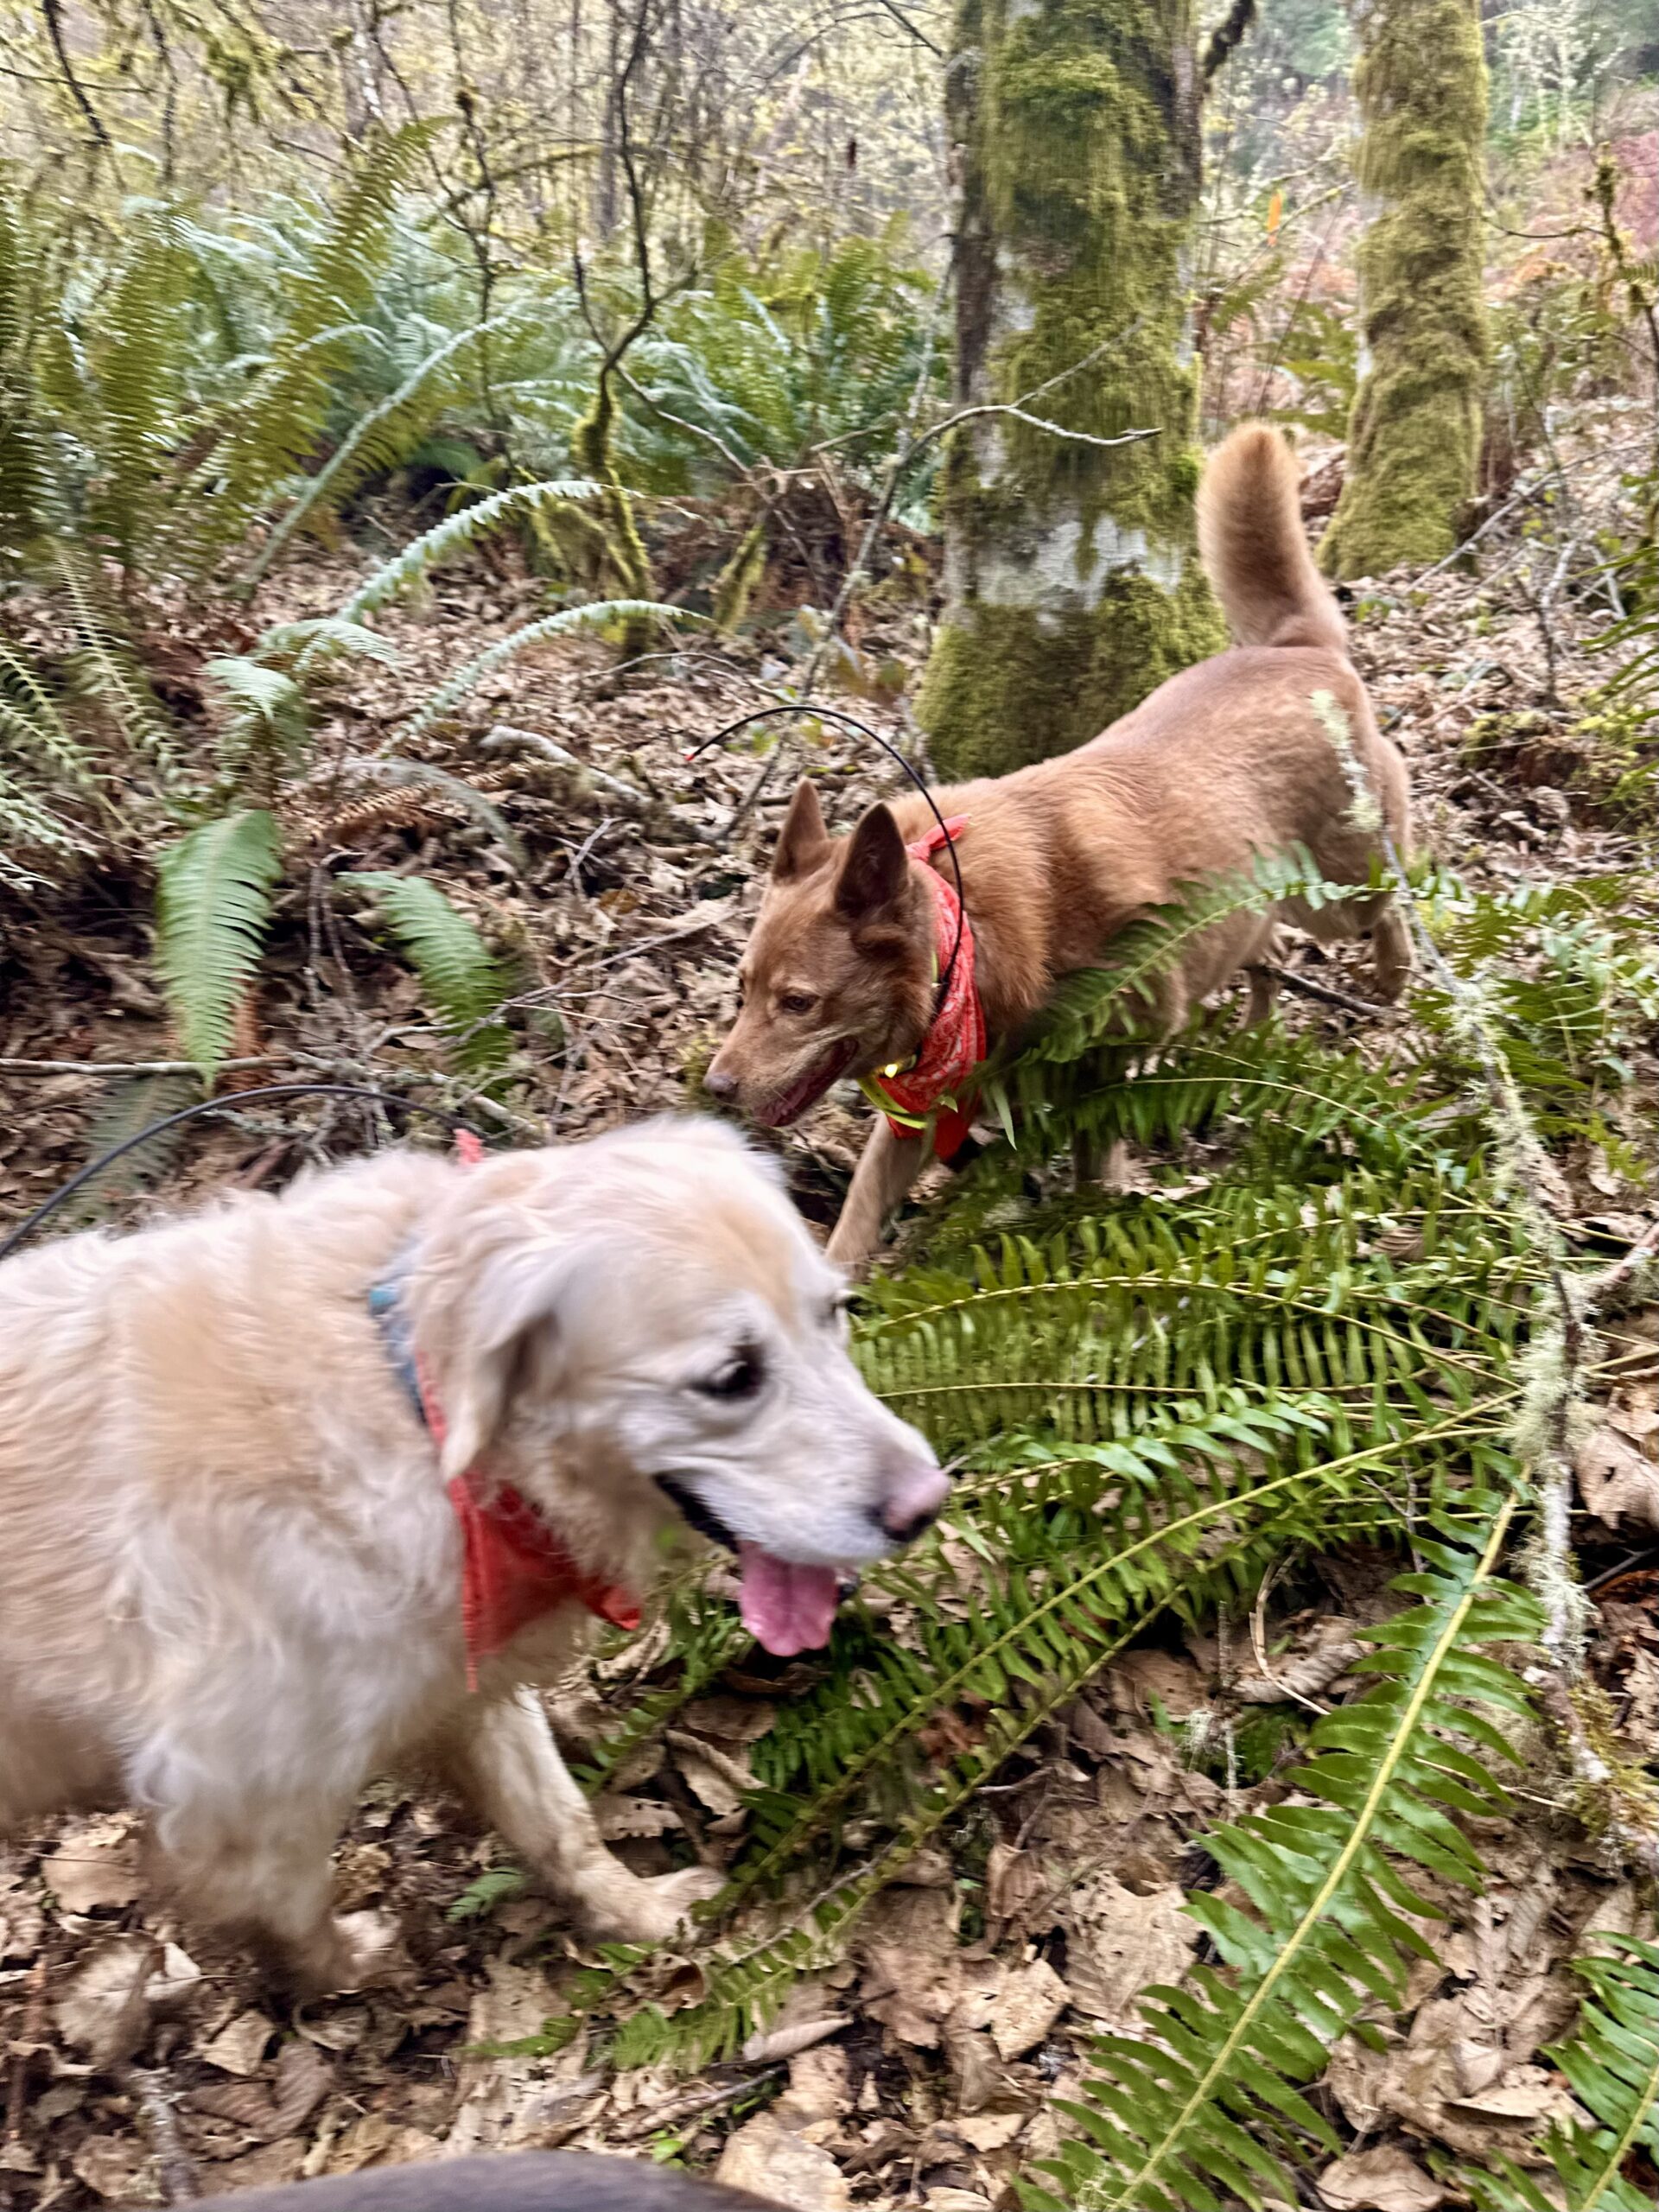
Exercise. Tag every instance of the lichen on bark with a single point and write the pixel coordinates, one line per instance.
(1071, 581)
(1414, 439)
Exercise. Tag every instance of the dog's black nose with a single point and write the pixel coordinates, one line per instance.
(917, 1491)
(718, 1084)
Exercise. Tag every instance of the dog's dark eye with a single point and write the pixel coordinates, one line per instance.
(798, 1002)
(741, 1377)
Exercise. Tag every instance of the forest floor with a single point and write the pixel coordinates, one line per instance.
(137, 2062)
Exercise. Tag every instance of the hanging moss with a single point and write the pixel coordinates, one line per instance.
(1414, 441)
(1071, 581)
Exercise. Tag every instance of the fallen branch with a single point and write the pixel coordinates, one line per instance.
(1327, 994)
(627, 796)
(180, 2183)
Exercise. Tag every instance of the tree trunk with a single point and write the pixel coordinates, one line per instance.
(1073, 588)
(1414, 441)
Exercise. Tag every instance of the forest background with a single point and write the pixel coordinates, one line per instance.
(420, 426)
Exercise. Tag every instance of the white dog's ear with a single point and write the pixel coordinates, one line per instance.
(507, 1333)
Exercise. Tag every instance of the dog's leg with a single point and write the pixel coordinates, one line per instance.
(1264, 993)
(886, 1170)
(1391, 952)
(504, 1756)
(266, 1878)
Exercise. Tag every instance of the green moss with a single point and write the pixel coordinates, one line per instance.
(1010, 686)
(1415, 437)
(1072, 585)
(592, 443)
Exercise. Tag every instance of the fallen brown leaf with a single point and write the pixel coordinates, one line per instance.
(105, 2009)
(240, 2045)
(1617, 1477)
(94, 1868)
(764, 2156)
(1117, 1943)
(1030, 2001)
(1383, 2179)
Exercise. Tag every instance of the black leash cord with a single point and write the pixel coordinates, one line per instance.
(229, 1104)
(835, 714)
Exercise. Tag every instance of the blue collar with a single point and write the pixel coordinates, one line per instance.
(387, 1306)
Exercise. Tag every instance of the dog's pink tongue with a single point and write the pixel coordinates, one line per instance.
(785, 1607)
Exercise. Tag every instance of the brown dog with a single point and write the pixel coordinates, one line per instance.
(1268, 748)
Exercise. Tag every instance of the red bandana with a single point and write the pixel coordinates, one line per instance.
(514, 1568)
(934, 1085)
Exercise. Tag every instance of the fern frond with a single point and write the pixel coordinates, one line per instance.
(463, 982)
(29, 825)
(1612, 2064)
(422, 775)
(213, 907)
(32, 728)
(138, 357)
(129, 1107)
(105, 669)
(1192, 2110)
(1083, 1009)
(276, 429)
(310, 644)
(268, 715)
(454, 533)
(30, 502)
(444, 700)
(377, 439)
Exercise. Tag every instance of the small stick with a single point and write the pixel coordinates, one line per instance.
(626, 795)
(24, 2051)
(672, 2109)
(1327, 993)
(180, 2183)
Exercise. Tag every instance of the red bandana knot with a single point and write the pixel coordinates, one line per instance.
(935, 1087)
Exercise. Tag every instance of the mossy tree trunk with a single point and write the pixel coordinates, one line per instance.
(1072, 585)
(1414, 441)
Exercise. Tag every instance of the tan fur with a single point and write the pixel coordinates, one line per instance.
(230, 1577)
(1224, 763)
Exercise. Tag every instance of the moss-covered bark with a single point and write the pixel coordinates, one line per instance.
(1073, 588)
(1414, 441)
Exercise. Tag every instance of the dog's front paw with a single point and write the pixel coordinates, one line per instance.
(371, 1948)
(633, 1909)
(357, 1950)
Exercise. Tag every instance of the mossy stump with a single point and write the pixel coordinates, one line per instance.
(1072, 584)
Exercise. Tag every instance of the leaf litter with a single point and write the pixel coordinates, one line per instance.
(922, 2070)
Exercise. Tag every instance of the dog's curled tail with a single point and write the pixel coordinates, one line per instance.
(1253, 549)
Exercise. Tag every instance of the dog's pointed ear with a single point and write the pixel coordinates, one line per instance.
(802, 842)
(875, 873)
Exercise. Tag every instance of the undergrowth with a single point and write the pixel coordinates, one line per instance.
(1315, 1328)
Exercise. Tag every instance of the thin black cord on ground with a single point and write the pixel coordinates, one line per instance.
(230, 1105)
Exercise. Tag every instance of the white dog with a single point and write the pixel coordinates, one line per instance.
(279, 1481)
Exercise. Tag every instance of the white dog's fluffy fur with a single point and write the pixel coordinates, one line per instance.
(229, 1572)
